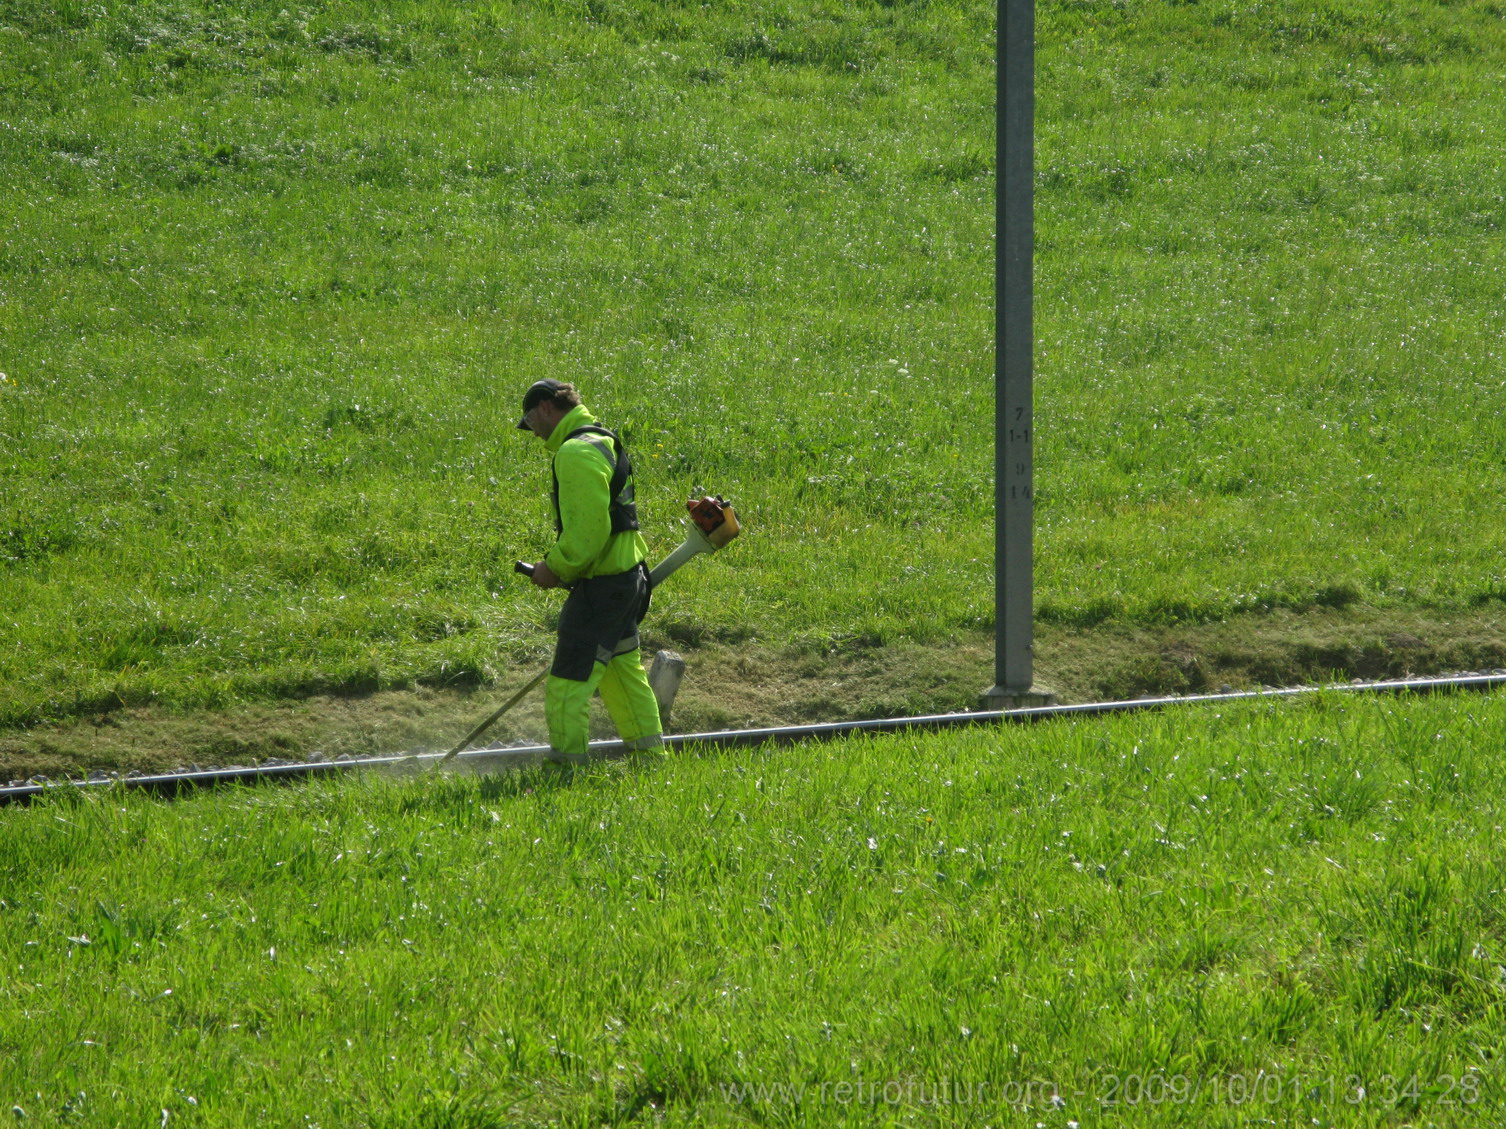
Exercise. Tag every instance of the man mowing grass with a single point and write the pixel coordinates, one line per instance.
(599, 555)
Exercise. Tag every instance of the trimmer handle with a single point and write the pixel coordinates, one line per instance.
(524, 567)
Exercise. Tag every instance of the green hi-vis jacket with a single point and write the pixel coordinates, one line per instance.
(587, 546)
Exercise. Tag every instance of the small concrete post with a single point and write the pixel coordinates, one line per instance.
(664, 678)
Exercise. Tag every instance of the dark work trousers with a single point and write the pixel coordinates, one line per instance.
(597, 648)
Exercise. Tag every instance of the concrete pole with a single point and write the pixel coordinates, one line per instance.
(1013, 357)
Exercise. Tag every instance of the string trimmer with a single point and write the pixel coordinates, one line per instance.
(713, 525)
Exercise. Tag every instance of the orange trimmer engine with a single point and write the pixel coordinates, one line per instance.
(715, 518)
(713, 524)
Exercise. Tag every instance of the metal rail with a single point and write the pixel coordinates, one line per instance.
(496, 758)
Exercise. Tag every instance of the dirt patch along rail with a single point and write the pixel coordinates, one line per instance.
(493, 759)
(755, 684)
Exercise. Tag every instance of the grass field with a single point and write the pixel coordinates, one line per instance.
(273, 275)
(1260, 914)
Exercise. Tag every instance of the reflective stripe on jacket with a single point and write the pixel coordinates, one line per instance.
(586, 546)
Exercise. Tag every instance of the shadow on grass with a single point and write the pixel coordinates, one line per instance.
(459, 796)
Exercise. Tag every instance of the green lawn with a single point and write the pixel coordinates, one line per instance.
(273, 276)
(1247, 914)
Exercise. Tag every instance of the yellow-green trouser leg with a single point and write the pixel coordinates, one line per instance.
(628, 697)
(630, 700)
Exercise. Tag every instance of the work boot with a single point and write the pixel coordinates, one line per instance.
(652, 743)
(554, 756)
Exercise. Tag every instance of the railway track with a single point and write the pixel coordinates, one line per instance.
(497, 758)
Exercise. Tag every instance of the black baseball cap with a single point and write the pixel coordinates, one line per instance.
(539, 391)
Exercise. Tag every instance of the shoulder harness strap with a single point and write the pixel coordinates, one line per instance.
(622, 508)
